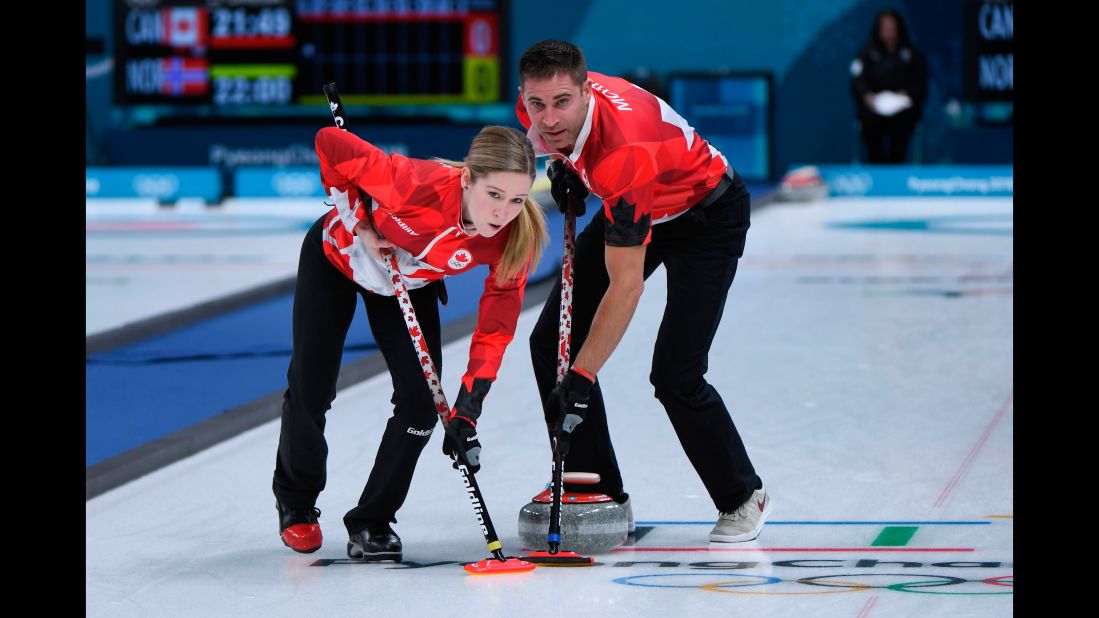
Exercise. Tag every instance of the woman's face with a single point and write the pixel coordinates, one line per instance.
(494, 200)
(887, 30)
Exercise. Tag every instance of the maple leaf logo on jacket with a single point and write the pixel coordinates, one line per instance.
(460, 259)
(624, 227)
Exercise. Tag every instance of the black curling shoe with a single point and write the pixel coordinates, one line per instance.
(375, 543)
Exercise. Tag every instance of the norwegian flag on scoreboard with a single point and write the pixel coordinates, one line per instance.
(184, 27)
(184, 76)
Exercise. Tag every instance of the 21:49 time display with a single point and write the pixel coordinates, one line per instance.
(226, 23)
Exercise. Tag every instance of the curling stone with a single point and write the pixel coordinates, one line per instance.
(590, 522)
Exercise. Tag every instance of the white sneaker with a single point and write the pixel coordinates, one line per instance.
(745, 522)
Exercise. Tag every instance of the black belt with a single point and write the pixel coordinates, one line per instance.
(716, 193)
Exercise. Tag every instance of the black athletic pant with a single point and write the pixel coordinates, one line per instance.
(324, 305)
(699, 250)
(886, 137)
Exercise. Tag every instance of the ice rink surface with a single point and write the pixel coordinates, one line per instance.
(865, 355)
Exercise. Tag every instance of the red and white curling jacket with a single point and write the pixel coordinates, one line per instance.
(642, 158)
(417, 206)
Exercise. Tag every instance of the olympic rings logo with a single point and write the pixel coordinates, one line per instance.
(744, 583)
(288, 183)
(156, 185)
(852, 184)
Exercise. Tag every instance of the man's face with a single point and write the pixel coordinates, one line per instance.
(557, 108)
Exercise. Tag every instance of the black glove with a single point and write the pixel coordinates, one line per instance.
(460, 436)
(569, 401)
(565, 184)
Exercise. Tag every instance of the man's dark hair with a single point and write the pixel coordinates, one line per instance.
(547, 58)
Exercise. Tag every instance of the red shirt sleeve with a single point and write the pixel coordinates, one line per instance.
(346, 162)
(496, 318)
(630, 172)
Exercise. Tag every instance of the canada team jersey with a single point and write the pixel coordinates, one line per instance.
(417, 206)
(637, 154)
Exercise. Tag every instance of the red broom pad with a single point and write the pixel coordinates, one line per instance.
(493, 566)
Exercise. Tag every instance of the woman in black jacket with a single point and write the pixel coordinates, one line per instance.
(888, 69)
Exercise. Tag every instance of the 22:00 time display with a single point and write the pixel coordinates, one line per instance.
(244, 90)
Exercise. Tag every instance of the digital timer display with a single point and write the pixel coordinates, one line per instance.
(250, 28)
(226, 53)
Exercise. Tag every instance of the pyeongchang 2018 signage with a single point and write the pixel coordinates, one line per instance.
(989, 29)
(919, 180)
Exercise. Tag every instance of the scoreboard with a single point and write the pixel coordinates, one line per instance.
(989, 60)
(236, 53)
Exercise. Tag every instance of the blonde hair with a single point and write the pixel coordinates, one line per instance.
(504, 149)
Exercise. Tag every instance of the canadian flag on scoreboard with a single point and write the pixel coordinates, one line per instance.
(184, 27)
(184, 76)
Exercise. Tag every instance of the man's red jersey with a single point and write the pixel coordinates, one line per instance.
(637, 154)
